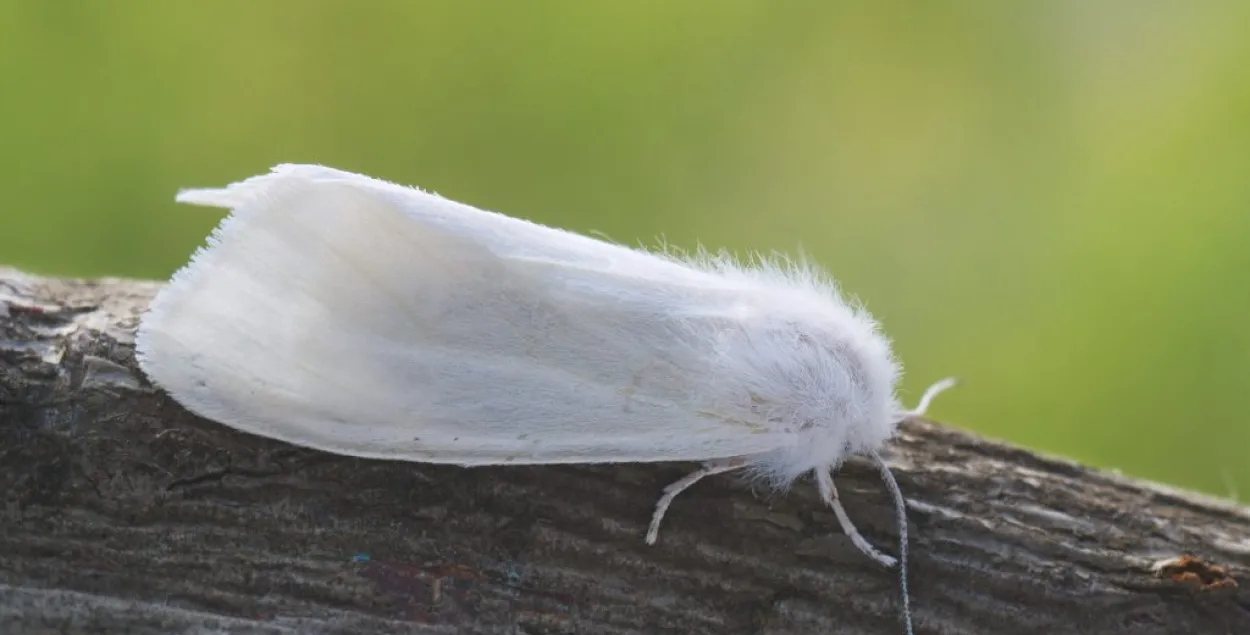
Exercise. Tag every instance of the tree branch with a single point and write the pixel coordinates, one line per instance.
(124, 513)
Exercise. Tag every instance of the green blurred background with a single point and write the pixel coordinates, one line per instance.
(1047, 199)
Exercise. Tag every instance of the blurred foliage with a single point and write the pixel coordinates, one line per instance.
(1047, 199)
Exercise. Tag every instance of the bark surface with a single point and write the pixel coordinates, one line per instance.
(123, 513)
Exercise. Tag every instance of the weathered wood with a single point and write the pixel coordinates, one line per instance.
(123, 513)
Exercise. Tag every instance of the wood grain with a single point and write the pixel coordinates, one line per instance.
(123, 513)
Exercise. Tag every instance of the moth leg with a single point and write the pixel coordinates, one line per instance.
(671, 492)
(824, 480)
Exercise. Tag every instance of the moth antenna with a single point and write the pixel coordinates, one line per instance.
(926, 399)
(900, 510)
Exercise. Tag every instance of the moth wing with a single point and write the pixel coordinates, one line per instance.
(362, 318)
(503, 235)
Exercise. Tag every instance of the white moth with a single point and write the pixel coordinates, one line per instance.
(339, 312)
